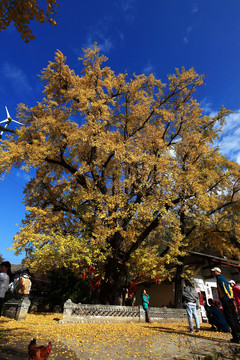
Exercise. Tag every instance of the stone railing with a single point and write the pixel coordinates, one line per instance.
(82, 313)
(168, 314)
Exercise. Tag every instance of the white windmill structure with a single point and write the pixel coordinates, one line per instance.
(7, 122)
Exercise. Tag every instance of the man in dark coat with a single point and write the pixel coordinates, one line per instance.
(226, 297)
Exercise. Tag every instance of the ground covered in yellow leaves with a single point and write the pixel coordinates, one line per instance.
(108, 341)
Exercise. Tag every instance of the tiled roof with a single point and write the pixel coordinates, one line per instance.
(18, 268)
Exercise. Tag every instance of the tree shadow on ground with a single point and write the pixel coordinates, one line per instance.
(193, 335)
(11, 353)
(10, 350)
(13, 349)
(218, 348)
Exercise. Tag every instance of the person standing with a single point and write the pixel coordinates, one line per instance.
(236, 293)
(190, 297)
(5, 272)
(145, 304)
(226, 297)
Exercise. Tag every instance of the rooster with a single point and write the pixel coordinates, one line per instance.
(38, 352)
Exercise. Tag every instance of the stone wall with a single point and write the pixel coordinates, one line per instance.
(162, 314)
(83, 313)
(16, 308)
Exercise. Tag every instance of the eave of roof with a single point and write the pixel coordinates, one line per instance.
(221, 260)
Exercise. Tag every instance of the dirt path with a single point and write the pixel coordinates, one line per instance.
(111, 341)
(156, 347)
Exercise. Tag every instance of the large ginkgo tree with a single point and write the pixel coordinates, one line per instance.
(124, 166)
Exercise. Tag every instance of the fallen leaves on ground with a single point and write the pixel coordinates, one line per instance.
(110, 341)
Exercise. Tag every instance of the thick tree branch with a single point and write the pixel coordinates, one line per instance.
(2, 128)
(80, 178)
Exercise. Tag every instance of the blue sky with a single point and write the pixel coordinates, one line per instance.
(137, 36)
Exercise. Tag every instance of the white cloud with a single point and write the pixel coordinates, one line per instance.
(148, 68)
(105, 31)
(188, 31)
(238, 158)
(206, 105)
(128, 8)
(121, 36)
(99, 33)
(194, 8)
(127, 5)
(16, 78)
(23, 175)
(104, 44)
(229, 141)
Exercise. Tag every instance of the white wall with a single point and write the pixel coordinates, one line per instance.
(160, 294)
(163, 294)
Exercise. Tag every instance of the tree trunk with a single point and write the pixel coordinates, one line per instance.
(179, 270)
(111, 288)
(178, 287)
